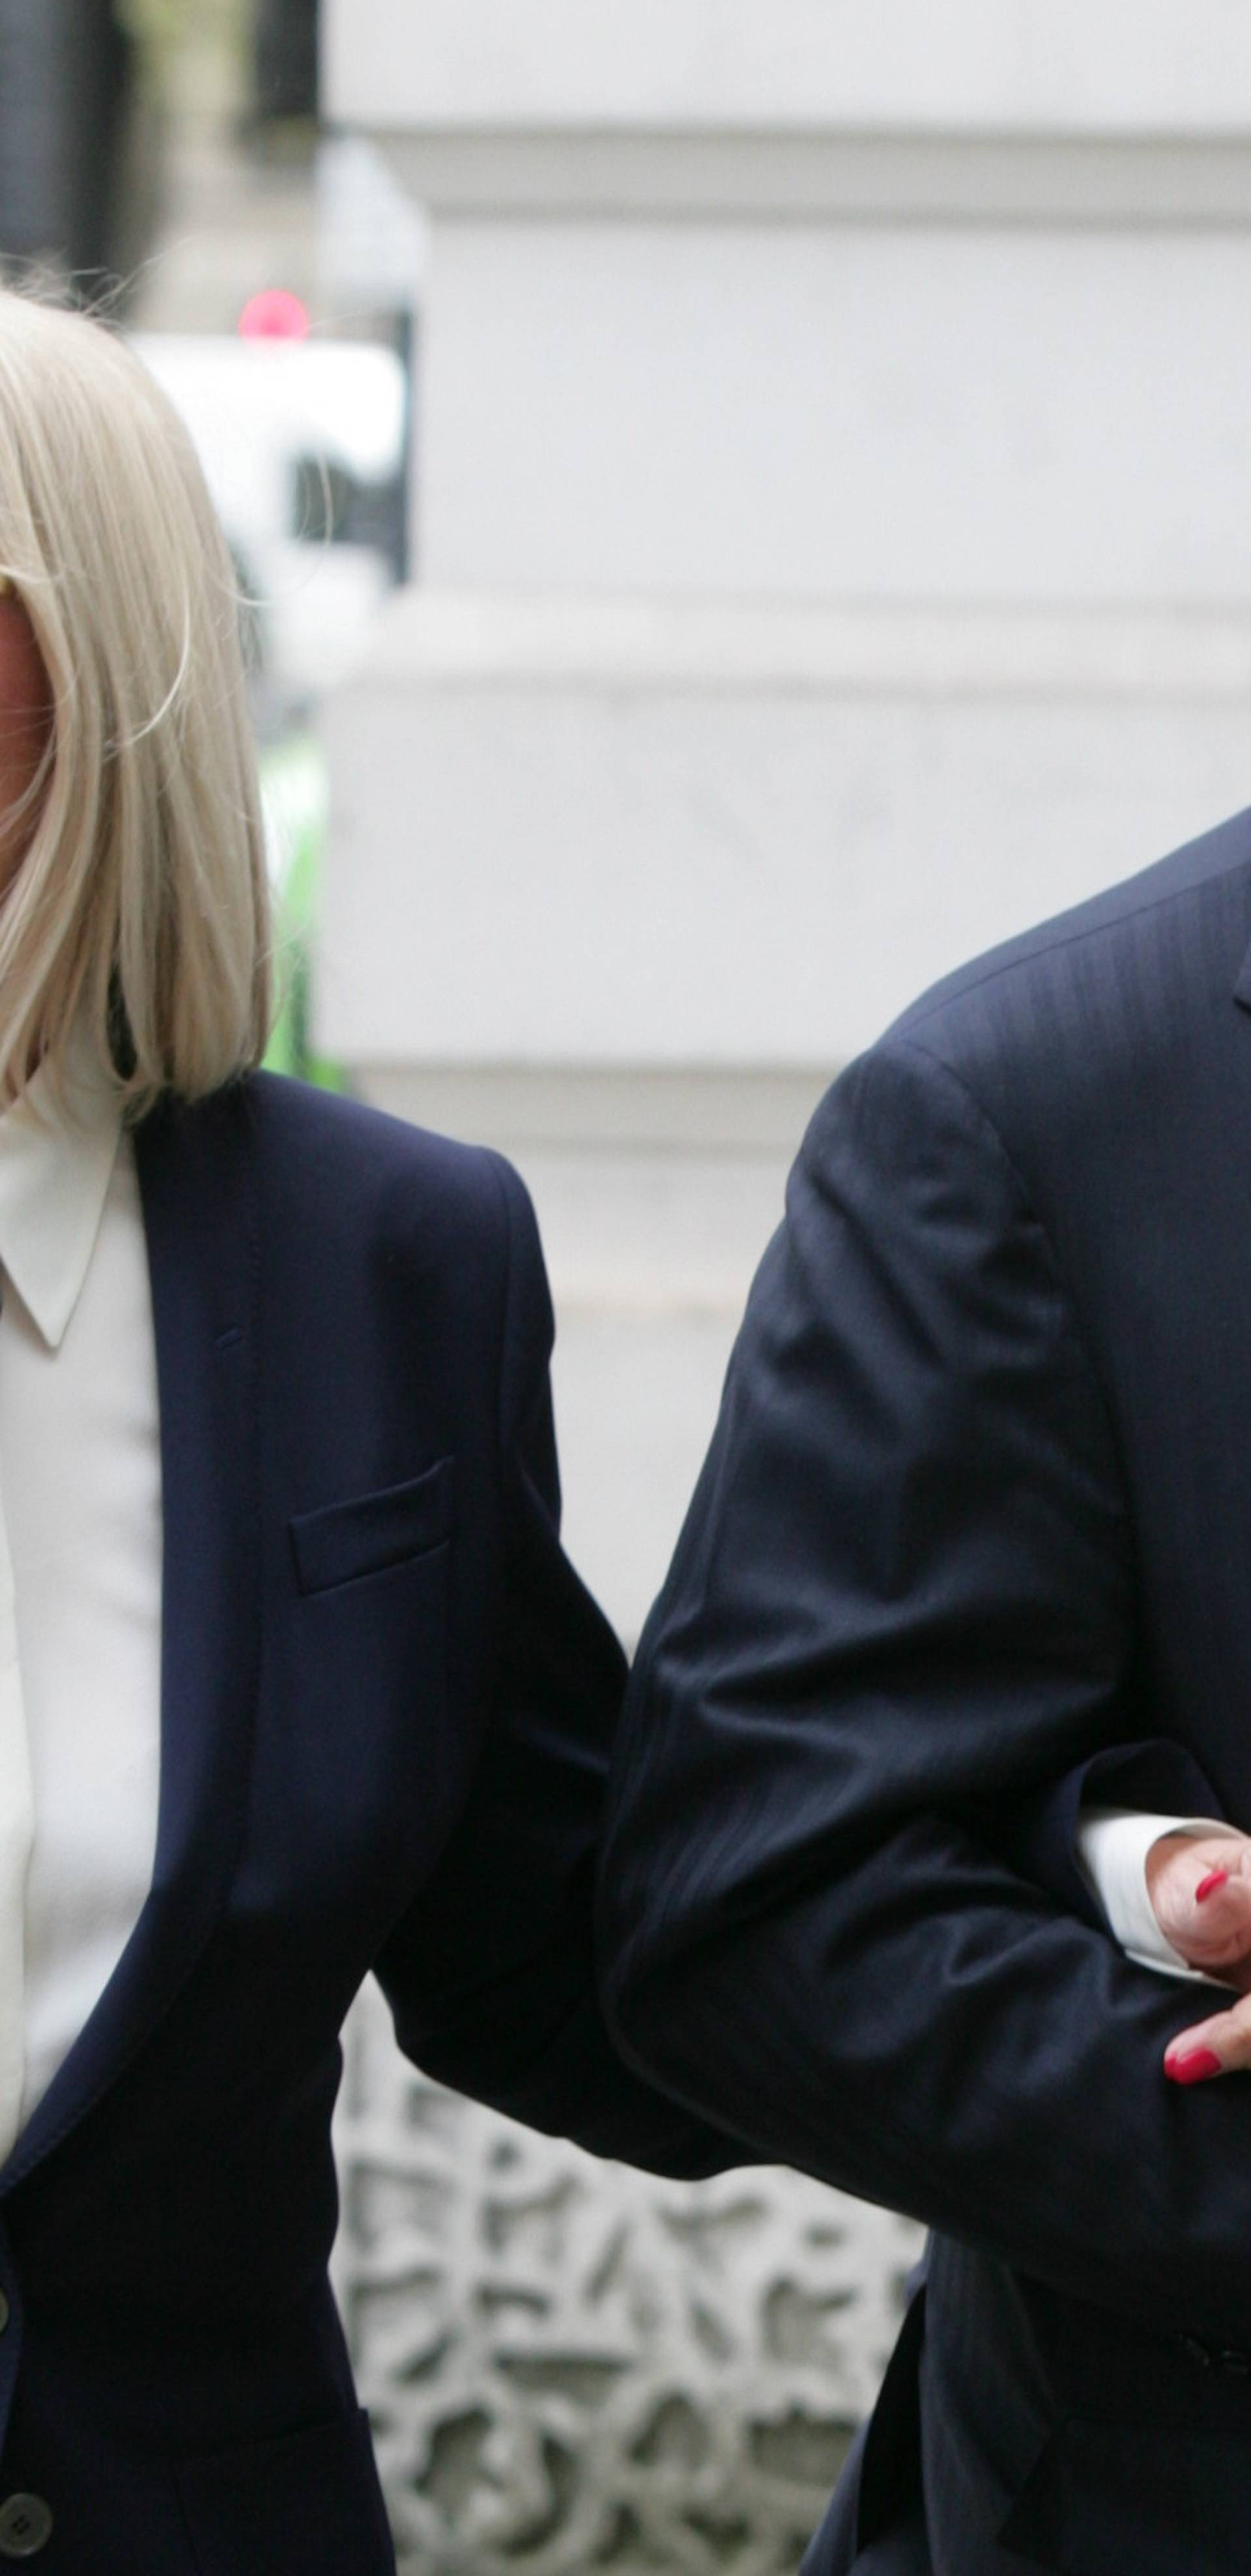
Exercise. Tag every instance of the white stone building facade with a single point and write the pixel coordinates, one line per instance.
(832, 475)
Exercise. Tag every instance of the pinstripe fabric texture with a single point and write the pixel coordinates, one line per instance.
(974, 1538)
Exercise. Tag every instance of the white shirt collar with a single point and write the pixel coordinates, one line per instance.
(55, 1166)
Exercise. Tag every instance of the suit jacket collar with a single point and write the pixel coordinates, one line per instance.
(198, 1184)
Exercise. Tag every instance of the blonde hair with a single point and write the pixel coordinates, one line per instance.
(140, 908)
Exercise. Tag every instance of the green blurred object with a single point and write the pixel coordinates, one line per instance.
(295, 794)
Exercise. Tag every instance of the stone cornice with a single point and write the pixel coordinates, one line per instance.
(749, 176)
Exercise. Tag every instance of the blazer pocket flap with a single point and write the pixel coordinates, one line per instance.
(1138, 2496)
(373, 1531)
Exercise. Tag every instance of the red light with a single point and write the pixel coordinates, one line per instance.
(275, 314)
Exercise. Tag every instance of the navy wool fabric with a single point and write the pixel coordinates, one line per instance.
(974, 1538)
(387, 1704)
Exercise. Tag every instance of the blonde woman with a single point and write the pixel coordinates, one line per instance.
(295, 1681)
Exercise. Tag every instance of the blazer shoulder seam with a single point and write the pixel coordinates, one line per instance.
(505, 1180)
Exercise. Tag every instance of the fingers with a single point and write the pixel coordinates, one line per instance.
(1221, 2045)
(1200, 1887)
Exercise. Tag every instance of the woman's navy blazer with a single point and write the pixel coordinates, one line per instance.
(386, 1707)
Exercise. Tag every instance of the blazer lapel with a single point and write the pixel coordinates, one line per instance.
(198, 1185)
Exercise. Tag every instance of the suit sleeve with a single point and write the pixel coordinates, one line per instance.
(490, 1976)
(902, 1610)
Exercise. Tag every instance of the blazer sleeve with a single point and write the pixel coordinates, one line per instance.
(902, 1609)
(490, 1975)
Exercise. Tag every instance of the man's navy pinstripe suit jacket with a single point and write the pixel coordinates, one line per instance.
(974, 1533)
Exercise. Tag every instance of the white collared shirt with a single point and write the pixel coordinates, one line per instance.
(80, 1560)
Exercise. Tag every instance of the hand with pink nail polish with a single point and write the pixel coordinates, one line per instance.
(1200, 1890)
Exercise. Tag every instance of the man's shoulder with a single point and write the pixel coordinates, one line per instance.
(1102, 1048)
(1179, 926)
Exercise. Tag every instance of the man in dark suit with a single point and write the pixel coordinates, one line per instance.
(973, 1545)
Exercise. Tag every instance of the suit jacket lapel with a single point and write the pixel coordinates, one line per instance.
(198, 1184)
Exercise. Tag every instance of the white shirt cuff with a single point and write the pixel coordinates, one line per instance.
(1112, 1848)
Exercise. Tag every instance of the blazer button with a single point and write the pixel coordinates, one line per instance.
(25, 2526)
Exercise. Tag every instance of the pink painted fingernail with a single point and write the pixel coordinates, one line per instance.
(1208, 1886)
(1191, 2065)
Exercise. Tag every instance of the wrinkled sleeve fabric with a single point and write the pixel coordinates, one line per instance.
(490, 1976)
(901, 1611)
